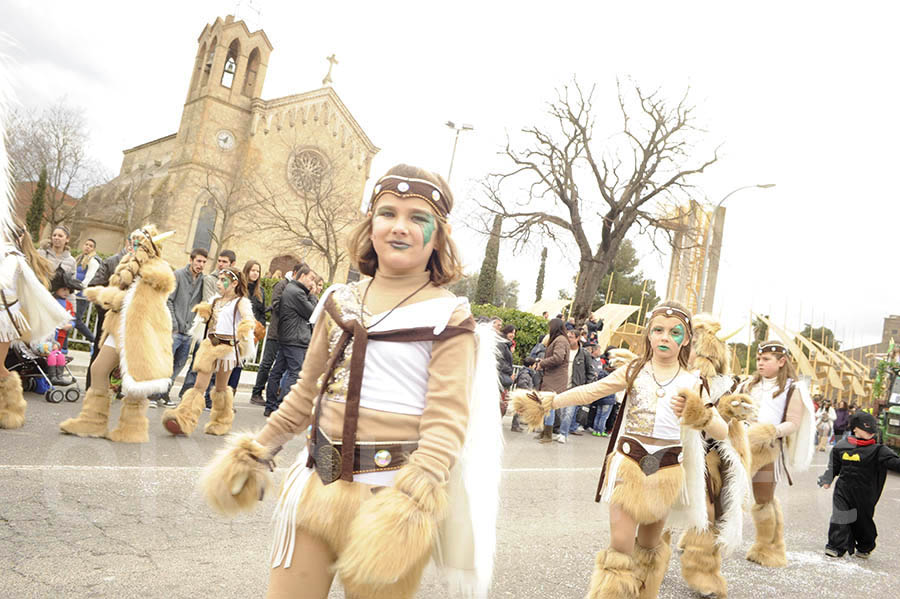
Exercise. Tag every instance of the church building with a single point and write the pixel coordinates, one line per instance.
(273, 180)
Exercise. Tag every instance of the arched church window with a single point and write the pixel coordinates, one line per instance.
(306, 170)
(206, 223)
(230, 69)
(252, 70)
(208, 61)
(198, 67)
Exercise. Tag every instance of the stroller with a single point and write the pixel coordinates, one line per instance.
(32, 369)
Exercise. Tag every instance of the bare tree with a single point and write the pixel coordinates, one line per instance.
(317, 213)
(573, 187)
(54, 138)
(231, 195)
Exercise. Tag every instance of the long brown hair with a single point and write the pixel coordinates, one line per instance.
(240, 284)
(784, 373)
(646, 352)
(444, 265)
(257, 289)
(39, 264)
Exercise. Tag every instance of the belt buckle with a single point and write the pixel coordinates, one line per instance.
(649, 464)
(328, 463)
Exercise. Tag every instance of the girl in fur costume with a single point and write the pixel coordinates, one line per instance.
(228, 322)
(384, 401)
(782, 436)
(727, 467)
(137, 337)
(654, 471)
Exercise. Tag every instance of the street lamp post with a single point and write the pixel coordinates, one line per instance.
(712, 222)
(463, 127)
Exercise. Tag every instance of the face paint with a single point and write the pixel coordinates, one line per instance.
(678, 334)
(428, 226)
(226, 283)
(662, 347)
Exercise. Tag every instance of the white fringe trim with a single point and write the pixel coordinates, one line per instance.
(734, 495)
(690, 510)
(285, 515)
(9, 320)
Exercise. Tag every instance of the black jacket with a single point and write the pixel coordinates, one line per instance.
(294, 309)
(525, 378)
(106, 269)
(582, 368)
(861, 472)
(505, 363)
(259, 306)
(277, 290)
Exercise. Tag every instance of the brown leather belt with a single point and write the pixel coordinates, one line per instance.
(217, 340)
(649, 463)
(367, 457)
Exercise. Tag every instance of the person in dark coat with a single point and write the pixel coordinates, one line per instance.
(860, 464)
(842, 421)
(582, 373)
(270, 347)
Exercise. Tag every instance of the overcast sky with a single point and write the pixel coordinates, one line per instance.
(799, 94)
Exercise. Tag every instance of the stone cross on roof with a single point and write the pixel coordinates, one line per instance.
(331, 62)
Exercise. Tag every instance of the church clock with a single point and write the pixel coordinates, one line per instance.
(225, 139)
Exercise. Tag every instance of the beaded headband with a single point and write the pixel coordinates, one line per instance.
(229, 273)
(671, 312)
(773, 348)
(406, 187)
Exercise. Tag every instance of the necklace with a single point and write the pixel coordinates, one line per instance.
(362, 304)
(660, 387)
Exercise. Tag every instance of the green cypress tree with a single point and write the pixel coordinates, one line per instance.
(539, 288)
(35, 216)
(484, 291)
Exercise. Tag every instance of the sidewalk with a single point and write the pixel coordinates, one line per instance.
(81, 359)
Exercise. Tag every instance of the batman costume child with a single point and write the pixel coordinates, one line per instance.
(860, 464)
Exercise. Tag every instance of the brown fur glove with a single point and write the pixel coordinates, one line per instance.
(761, 435)
(532, 406)
(736, 407)
(158, 275)
(697, 413)
(203, 310)
(108, 298)
(394, 531)
(237, 476)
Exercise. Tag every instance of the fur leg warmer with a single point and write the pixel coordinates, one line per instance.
(613, 577)
(238, 475)
(650, 566)
(182, 420)
(532, 407)
(133, 423)
(94, 416)
(393, 533)
(769, 548)
(701, 564)
(222, 413)
(12, 402)
(697, 413)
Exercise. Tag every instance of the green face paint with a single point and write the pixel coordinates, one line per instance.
(426, 221)
(678, 334)
(226, 283)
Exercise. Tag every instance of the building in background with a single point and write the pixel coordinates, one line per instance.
(691, 228)
(870, 354)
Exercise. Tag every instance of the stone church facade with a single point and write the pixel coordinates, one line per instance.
(273, 180)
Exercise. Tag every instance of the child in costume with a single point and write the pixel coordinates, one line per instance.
(654, 472)
(727, 467)
(781, 436)
(226, 327)
(860, 464)
(137, 337)
(401, 460)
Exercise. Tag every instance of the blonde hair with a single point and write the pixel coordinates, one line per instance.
(39, 264)
(784, 373)
(130, 265)
(444, 265)
(646, 351)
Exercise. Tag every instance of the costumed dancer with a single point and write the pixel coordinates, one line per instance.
(398, 400)
(727, 467)
(137, 337)
(654, 471)
(781, 437)
(29, 311)
(226, 328)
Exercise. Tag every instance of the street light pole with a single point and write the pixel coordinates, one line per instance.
(711, 231)
(463, 127)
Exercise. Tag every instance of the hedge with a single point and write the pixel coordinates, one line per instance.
(529, 328)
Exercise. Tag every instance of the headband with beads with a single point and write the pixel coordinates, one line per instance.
(406, 187)
(772, 348)
(671, 312)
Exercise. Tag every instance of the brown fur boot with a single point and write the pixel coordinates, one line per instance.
(94, 416)
(768, 549)
(701, 564)
(222, 415)
(133, 423)
(650, 566)
(613, 577)
(182, 420)
(12, 402)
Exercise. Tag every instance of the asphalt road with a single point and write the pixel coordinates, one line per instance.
(90, 518)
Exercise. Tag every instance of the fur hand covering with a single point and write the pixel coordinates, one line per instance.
(736, 407)
(238, 475)
(393, 531)
(108, 298)
(697, 413)
(761, 435)
(203, 310)
(532, 406)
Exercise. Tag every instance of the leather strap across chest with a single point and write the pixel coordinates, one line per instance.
(353, 330)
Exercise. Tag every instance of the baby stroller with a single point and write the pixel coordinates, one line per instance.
(33, 369)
